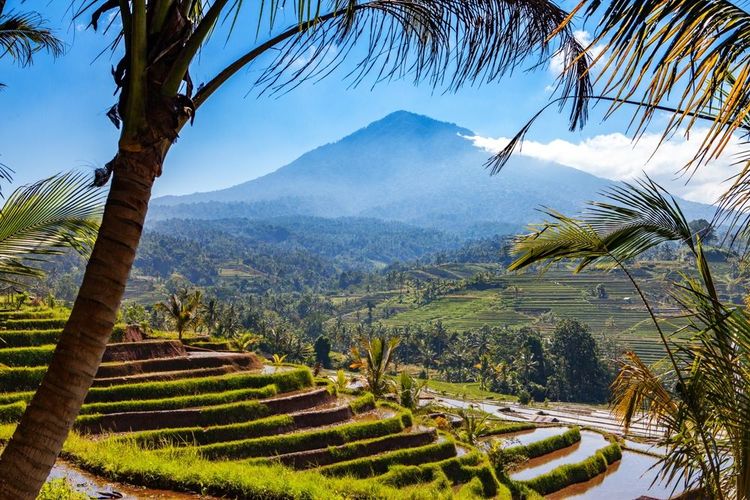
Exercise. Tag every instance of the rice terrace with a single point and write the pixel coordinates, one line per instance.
(375, 249)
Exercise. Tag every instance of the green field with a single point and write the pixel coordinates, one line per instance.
(519, 299)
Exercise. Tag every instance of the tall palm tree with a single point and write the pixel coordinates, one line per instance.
(183, 310)
(373, 357)
(700, 395)
(446, 43)
(44, 219)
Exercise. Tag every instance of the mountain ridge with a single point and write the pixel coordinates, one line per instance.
(404, 167)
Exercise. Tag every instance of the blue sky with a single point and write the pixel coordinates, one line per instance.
(52, 115)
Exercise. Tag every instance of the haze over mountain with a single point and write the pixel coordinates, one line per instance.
(408, 168)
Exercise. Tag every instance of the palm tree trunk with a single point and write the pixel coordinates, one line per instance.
(38, 439)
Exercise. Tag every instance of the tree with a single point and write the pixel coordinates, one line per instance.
(704, 229)
(699, 394)
(373, 357)
(409, 390)
(578, 367)
(323, 351)
(443, 42)
(182, 309)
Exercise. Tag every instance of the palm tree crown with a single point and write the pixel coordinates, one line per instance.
(699, 396)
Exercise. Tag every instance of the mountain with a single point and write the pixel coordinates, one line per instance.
(405, 167)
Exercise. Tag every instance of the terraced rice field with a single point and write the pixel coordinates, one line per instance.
(181, 403)
(613, 475)
(525, 299)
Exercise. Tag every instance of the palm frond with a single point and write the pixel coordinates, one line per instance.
(445, 43)
(46, 218)
(633, 219)
(638, 391)
(690, 54)
(23, 35)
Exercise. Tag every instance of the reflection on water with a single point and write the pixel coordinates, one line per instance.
(629, 478)
(521, 437)
(94, 486)
(590, 442)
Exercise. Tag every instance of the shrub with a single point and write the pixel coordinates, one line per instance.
(23, 379)
(178, 402)
(284, 381)
(289, 443)
(28, 338)
(26, 356)
(524, 397)
(379, 464)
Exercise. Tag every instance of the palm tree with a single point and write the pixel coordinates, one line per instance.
(699, 396)
(23, 35)
(182, 309)
(44, 219)
(409, 390)
(374, 356)
(446, 43)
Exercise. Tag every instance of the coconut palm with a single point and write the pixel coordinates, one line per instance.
(409, 390)
(182, 309)
(44, 219)
(445, 43)
(698, 398)
(373, 357)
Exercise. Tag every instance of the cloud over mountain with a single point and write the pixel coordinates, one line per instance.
(617, 157)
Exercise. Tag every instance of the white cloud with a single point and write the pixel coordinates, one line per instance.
(617, 157)
(557, 63)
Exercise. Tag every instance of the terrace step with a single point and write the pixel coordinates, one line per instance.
(148, 349)
(326, 456)
(164, 376)
(380, 463)
(193, 361)
(193, 417)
